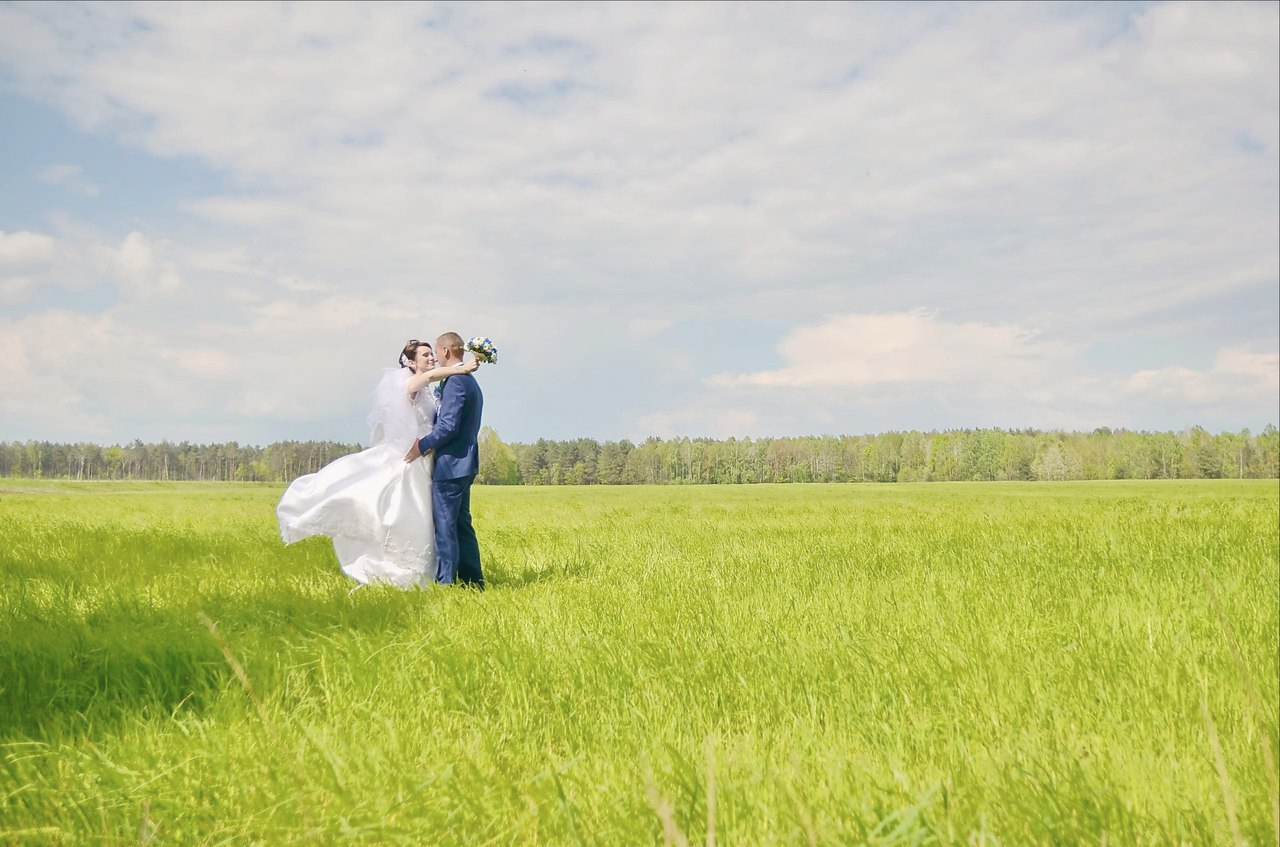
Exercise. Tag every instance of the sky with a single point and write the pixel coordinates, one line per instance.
(222, 221)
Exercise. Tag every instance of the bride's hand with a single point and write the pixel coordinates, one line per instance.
(467, 367)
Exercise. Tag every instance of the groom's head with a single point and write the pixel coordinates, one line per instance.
(449, 348)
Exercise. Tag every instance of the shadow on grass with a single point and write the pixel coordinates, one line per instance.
(66, 673)
(498, 575)
(59, 678)
(79, 677)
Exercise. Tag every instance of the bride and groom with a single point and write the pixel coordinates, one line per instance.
(399, 511)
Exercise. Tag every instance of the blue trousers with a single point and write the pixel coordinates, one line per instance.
(457, 551)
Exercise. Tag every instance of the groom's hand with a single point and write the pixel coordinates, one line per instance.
(414, 452)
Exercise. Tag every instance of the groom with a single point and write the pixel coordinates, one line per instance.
(457, 462)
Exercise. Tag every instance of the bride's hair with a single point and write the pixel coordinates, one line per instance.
(410, 351)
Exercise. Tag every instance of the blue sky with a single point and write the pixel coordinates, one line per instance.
(219, 222)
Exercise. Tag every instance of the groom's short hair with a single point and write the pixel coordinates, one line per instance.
(449, 339)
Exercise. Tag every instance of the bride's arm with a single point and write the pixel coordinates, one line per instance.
(417, 381)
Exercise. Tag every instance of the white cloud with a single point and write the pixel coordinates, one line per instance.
(141, 272)
(850, 139)
(641, 328)
(41, 390)
(703, 422)
(236, 261)
(1237, 377)
(925, 188)
(155, 379)
(71, 178)
(298, 284)
(862, 350)
(80, 259)
(25, 249)
(246, 211)
(867, 373)
(14, 289)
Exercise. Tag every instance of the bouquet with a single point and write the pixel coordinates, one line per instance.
(483, 349)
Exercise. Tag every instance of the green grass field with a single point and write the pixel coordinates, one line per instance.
(908, 664)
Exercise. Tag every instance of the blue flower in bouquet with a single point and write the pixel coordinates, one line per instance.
(483, 349)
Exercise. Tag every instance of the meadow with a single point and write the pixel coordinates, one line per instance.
(968, 663)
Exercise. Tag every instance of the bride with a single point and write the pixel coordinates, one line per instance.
(375, 507)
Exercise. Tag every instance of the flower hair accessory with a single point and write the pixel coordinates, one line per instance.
(483, 349)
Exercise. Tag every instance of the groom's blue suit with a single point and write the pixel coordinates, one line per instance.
(457, 462)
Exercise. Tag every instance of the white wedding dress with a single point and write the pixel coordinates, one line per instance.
(375, 507)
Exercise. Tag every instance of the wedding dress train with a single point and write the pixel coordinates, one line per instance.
(375, 507)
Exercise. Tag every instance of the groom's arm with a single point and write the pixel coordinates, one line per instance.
(450, 417)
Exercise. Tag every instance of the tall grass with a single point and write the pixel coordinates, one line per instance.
(946, 663)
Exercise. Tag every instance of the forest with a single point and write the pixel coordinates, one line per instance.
(948, 456)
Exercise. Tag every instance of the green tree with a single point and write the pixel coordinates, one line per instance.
(498, 465)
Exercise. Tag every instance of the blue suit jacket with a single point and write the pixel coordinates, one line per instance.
(454, 435)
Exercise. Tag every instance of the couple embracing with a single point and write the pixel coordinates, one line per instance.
(399, 511)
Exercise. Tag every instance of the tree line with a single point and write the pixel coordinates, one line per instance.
(230, 462)
(952, 455)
